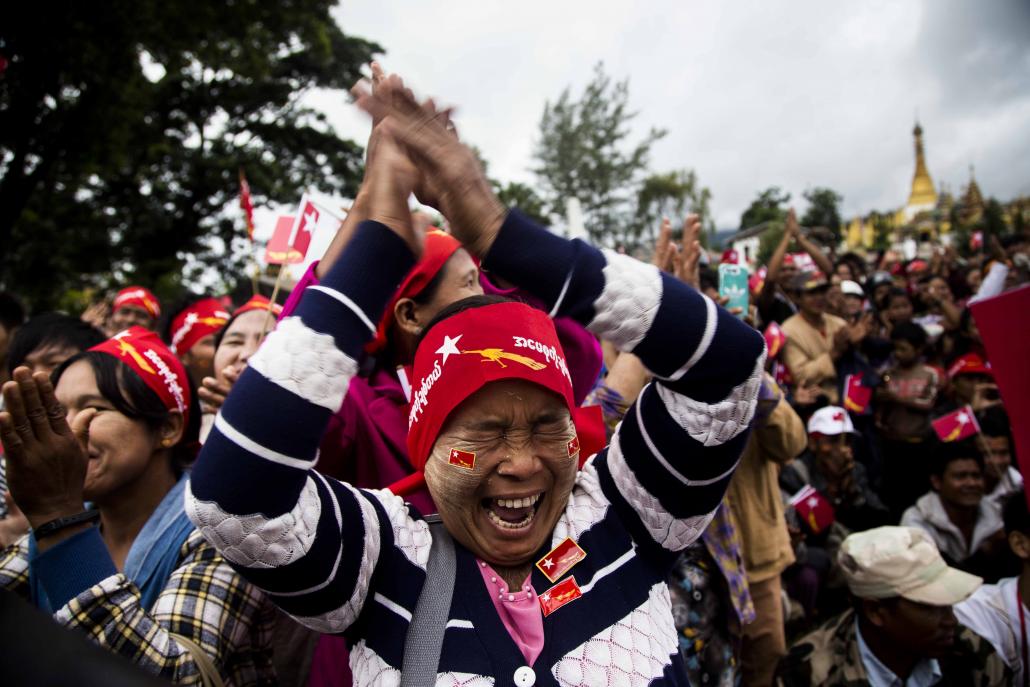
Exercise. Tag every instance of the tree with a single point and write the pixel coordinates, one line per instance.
(516, 195)
(768, 206)
(584, 152)
(123, 125)
(823, 209)
(673, 195)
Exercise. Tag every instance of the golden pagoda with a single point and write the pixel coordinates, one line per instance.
(971, 209)
(923, 196)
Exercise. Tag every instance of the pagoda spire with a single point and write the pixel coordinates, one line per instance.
(923, 195)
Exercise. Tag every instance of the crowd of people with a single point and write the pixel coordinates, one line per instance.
(491, 455)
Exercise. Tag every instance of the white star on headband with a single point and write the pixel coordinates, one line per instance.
(450, 347)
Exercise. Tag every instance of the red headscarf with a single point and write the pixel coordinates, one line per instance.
(154, 363)
(258, 303)
(140, 297)
(439, 248)
(195, 322)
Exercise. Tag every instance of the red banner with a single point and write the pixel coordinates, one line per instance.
(1005, 329)
(304, 226)
(247, 205)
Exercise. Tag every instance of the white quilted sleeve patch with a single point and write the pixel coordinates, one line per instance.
(631, 653)
(339, 619)
(370, 670)
(713, 424)
(256, 541)
(411, 536)
(306, 363)
(628, 302)
(671, 533)
(587, 506)
(463, 680)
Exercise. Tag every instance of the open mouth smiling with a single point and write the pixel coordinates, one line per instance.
(512, 515)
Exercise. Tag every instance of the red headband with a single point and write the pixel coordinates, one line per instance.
(138, 296)
(468, 350)
(258, 303)
(195, 322)
(439, 248)
(154, 363)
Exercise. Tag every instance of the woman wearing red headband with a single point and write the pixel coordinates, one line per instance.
(191, 331)
(134, 306)
(131, 572)
(540, 571)
(234, 344)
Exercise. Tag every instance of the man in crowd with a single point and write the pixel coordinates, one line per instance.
(966, 527)
(1001, 479)
(774, 303)
(815, 339)
(998, 612)
(134, 305)
(901, 629)
(778, 435)
(41, 344)
(829, 467)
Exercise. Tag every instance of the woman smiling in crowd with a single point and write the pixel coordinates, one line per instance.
(133, 574)
(558, 570)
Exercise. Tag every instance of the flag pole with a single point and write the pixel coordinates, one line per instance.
(275, 293)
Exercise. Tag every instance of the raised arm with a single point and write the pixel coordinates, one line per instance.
(670, 462)
(310, 542)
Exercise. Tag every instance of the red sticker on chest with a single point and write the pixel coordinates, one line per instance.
(463, 459)
(560, 594)
(561, 559)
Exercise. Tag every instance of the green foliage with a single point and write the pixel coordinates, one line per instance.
(823, 209)
(766, 207)
(123, 125)
(883, 229)
(516, 195)
(994, 219)
(584, 152)
(674, 195)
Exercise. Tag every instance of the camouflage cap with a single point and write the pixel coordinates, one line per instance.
(902, 561)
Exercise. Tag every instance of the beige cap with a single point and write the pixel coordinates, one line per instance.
(902, 561)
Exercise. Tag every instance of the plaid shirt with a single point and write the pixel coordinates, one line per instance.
(204, 599)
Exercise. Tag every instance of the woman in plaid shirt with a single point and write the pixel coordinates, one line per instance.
(133, 574)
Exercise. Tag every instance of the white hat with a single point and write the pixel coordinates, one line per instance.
(851, 288)
(831, 421)
(902, 561)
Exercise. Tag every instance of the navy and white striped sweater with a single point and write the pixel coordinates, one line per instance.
(343, 560)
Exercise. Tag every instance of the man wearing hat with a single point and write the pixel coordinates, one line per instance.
(815, 339)
(901, 629)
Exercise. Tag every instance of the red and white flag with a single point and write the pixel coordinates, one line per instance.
(813, 509)
(857, 396)
(957, 425)
(277, 251)
(303, 227)
(247, 205)
(976, 240)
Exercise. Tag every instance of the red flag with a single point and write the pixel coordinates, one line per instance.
(813, 509)
(957, 425)
(278, 249)
(247, 205)
(304, 226)
(1005, 330)
(560, 594)
(462, 459)
(774, 339)
(976, 240)
(560, 559)
(856, 395)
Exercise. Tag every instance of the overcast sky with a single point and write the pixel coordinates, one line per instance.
(753, 93)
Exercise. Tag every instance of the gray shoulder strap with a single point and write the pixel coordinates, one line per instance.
(424, 642)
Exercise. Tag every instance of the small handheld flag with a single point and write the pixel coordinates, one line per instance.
(956, 426)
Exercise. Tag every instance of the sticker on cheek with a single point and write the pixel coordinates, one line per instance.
(574, 446)
(463, 459)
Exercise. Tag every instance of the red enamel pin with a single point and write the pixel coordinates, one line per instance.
(560, 594)
(574, 446)
(561, 559)
(463, 459)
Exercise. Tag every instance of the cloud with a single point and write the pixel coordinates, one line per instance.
(753, 93)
